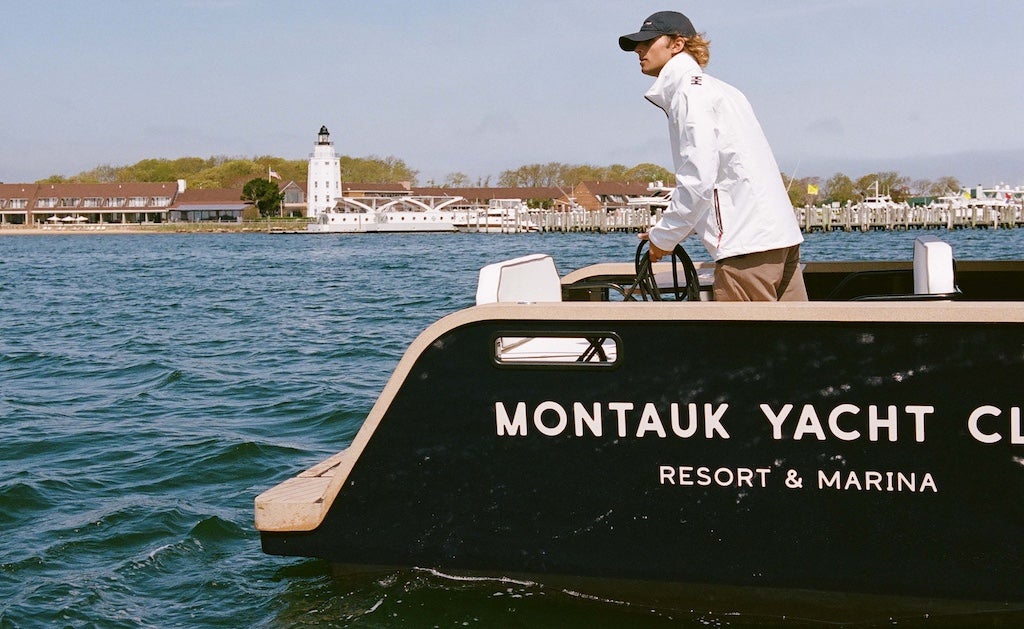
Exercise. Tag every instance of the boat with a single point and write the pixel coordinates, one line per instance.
(856, 457)
(386, 214)
(659, 197)
(501, 216)
(877, 202)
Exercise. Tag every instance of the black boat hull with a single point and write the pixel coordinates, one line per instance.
(866, 456)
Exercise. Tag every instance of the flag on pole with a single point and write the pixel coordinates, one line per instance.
(272, 175)
(812, 189)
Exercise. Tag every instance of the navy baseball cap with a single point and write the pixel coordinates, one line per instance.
(661, 23)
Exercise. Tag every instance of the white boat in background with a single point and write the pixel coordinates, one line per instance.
(999, 196)
(996, 205)
(878, 202)
(658, 197)
(502, 216)
(356, 215)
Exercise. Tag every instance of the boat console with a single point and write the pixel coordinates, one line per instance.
(932, 274)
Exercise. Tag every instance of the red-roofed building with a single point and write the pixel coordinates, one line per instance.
(86, 202)
(15, 201)
(596, 195)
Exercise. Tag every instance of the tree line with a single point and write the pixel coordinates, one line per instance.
(840, 188)
(235, 172)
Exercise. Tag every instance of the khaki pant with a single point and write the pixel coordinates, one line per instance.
(762, 276)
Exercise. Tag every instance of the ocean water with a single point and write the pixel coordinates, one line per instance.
(152, 385)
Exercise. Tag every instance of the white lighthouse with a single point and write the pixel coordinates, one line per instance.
(323, 184)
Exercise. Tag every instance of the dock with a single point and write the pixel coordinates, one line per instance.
(853, 218)
(903, 217)
(811, 219)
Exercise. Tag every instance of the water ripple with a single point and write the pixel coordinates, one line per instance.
(146, 402)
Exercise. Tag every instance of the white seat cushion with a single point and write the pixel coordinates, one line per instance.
(531, 278)
(933, 267)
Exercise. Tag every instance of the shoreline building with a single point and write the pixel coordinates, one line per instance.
(323, 183)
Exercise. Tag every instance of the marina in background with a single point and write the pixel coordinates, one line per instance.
(976, 208)
(325, 204)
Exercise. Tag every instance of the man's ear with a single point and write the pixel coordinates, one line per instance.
(678, 45)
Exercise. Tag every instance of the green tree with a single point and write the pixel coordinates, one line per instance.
(839, 189)
(886, 182)
(376, 170)
(101, 174)
(265, 195)
(528, 175)
(650, 173)
(294, 170)
(797, 189)
(567, 175)
(615, 172)
(150, 170)
(230, 174)
(897, 185)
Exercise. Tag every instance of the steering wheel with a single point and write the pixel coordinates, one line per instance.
(647, 286)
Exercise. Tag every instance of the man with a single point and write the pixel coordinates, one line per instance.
(728, 186)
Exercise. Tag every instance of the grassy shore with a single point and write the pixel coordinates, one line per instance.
(264, 226)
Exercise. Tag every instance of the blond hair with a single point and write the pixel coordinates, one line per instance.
(697, 47)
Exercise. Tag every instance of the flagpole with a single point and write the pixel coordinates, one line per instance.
(792, 177)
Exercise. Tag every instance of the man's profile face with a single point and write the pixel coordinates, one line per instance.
(655, 53)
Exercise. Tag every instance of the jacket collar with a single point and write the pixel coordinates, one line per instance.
(670, 78)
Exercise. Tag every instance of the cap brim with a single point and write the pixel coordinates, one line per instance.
(629, 42)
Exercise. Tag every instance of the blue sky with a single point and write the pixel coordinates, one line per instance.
(925, 87)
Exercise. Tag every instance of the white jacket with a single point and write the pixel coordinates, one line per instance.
(719, 151)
